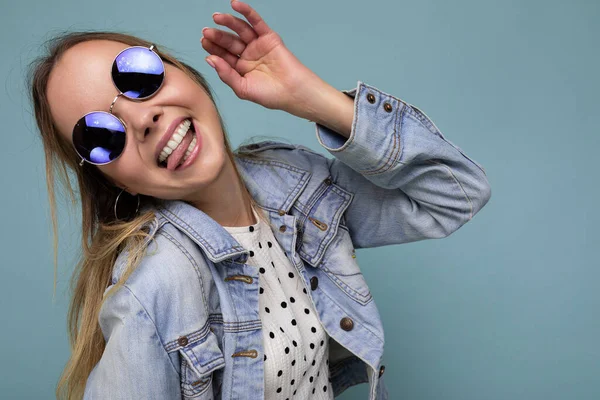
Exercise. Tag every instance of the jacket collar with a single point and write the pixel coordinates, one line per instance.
(273, 184)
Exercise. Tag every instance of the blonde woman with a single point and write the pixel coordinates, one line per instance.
(213, 274)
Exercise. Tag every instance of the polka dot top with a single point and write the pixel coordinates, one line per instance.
(295, 343)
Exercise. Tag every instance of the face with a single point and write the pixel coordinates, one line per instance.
(81, 82)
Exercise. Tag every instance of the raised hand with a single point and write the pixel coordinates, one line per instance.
(255, 63)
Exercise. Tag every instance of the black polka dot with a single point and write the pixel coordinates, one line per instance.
(261, 290)
(279, 390)
(313, 392)
(291, 274)
(292, 382)
(294, 392)
(293, 362)
(322, 341)
(251, 229)
(294, 343)
(318, 373)
(279, 280)
(279, 373)
(283, 304)
(306, 311)
(312, 345)
(325, 388)
(304, 373)
(281, 329)
(310, 379)
(294, 322)
(267, 309)
(327, 362)
(265, 358)
(305, 357)
(251, 253)
(272, 335)
(272, 264)
(313, 363)
(304, 290)
(270, 244)
(313, 329)
(259, 245)
(262, 270)
(292, 300)
(287, 350)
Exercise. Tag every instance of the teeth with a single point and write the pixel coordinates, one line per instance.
(175, 140)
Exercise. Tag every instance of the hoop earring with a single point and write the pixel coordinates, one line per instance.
(117, 202)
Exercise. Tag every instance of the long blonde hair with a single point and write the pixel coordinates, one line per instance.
(103, 237)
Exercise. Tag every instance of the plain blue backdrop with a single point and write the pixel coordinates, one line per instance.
(505, 308)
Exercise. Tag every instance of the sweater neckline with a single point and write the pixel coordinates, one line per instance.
(247, 228)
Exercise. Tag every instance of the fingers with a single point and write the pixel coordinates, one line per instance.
(226, 40)
(238, 25)
(214, 48)
(260, 26)
(228, 75)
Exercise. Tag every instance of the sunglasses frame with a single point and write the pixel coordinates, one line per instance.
(138, 99)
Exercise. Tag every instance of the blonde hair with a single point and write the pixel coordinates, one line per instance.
(103, 237)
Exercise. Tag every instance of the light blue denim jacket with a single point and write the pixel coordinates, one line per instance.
(186, 323)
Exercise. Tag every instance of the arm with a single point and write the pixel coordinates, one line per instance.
(409, 182)
(134, 364)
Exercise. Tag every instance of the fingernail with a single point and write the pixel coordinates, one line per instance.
(216, 13)
(210, 62)
(203, 29)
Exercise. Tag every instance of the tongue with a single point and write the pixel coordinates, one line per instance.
(177, 154)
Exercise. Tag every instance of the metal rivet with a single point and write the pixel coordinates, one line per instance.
(281, 212)
(327, 181)
(371, 98)
(183, 341)
(387, 107)
(381, 370)
(282, 228)
(346, 324)
(314, 282)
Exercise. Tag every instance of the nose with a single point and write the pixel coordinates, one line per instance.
(141, 118)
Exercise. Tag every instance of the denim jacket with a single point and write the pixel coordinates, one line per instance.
(186, 323)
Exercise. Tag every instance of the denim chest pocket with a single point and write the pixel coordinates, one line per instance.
(340, 265)
(326, 242)
(200, 360)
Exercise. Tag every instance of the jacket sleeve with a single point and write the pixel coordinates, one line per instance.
(409, 182)
(134, 364)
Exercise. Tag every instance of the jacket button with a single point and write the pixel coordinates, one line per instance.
(371, 98)
(183, 341)
(281, 212)
(327, 181)
(314, 282)
(387, 107)
(282, 228)
(381, 369)
(347, 324)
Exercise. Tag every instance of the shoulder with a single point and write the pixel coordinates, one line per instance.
(294, 154)
(169, 272)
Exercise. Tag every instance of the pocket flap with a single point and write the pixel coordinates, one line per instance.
(204, 355)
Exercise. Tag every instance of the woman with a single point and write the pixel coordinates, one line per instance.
(212, 274)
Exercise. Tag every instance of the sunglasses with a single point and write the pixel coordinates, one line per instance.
(99, 137)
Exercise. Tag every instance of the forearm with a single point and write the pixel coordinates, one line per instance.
(322, 103)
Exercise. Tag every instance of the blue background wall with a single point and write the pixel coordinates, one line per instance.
(505, 308)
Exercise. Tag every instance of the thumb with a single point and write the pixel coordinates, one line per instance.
(227, 74)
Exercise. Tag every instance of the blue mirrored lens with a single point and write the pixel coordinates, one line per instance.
(99, 137)
(138, 72)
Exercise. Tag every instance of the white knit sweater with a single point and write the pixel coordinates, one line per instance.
(295, 343)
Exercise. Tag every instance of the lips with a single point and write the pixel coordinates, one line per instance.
(167, 136)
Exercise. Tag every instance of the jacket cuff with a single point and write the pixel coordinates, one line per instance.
(372, 145)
